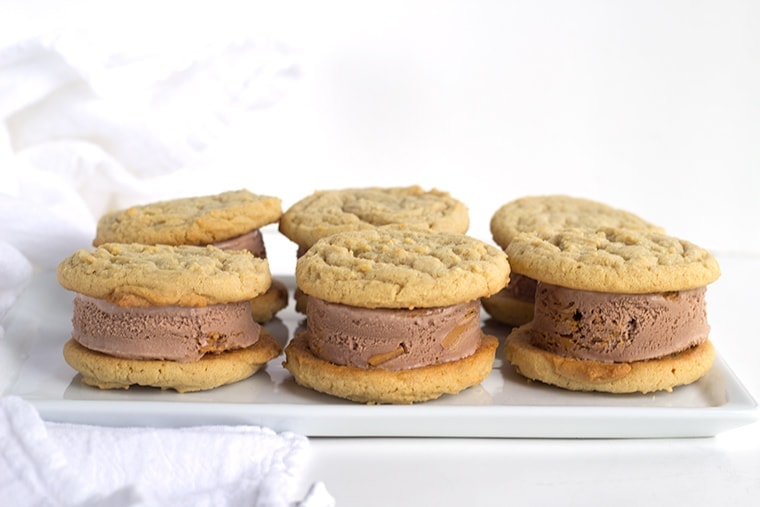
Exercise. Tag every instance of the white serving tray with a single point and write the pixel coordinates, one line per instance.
(504, 405)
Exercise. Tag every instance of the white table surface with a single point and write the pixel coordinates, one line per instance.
(721, 470)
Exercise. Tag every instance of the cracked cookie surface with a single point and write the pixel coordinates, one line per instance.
(548, 213)
(161, 275)
(612, 260)
(328, 212)
(390, 268)
(190, 221)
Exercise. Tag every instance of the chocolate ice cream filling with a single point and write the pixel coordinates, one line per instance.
(173, 333)
(520, 287)
(252, 241)
(391, 339)
(618, 327)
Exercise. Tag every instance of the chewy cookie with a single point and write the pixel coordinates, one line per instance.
(394, 315)
(545, 214)
(230, 221)
(328, 212)
(616, 310)
(165, 316)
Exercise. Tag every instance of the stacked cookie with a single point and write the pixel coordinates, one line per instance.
(545, 214)
(174, 293)
(328, 212)
(229, 221)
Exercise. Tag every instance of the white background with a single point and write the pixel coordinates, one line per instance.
(650, 106)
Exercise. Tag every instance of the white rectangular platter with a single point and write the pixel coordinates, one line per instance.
(504, 406)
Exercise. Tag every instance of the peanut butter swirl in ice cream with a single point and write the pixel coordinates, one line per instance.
(392, 339)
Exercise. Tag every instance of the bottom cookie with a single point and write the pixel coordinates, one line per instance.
(508, 310)
(377, 386)
(109, 372)
(300, 299)
(266, 306)
(661, 374)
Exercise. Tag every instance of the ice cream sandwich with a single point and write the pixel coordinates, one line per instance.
(545, 214)
(327, 212)
(163, 316)
(229, 220)
(393, 315)
(616, 310)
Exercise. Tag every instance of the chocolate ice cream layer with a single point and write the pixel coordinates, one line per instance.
(521, 287)
(251, 241)
(171, 333)
(617, 327)
(391, 339)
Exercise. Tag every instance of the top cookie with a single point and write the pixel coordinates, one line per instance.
(162, 275)
(330, 211)
(388, 267)
(612, 260)
(554, 212)
(189, 221)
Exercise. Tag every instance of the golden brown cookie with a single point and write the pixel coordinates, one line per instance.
(213, 370)
(160, 275)
(374, 386)
(660, 374)
(612, 260)
(190, 221)
(508, 310)
(328, 212)
(265, 307)
(391, 268)
(551, 213)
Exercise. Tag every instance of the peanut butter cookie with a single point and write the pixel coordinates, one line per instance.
(390, 268)
(328, 212)
(213, 370)
(159, 275)
(190, 221)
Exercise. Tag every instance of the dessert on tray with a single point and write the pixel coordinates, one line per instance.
(229, 220)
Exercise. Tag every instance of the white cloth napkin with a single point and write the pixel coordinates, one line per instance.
(56, 464)
(108, 104)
